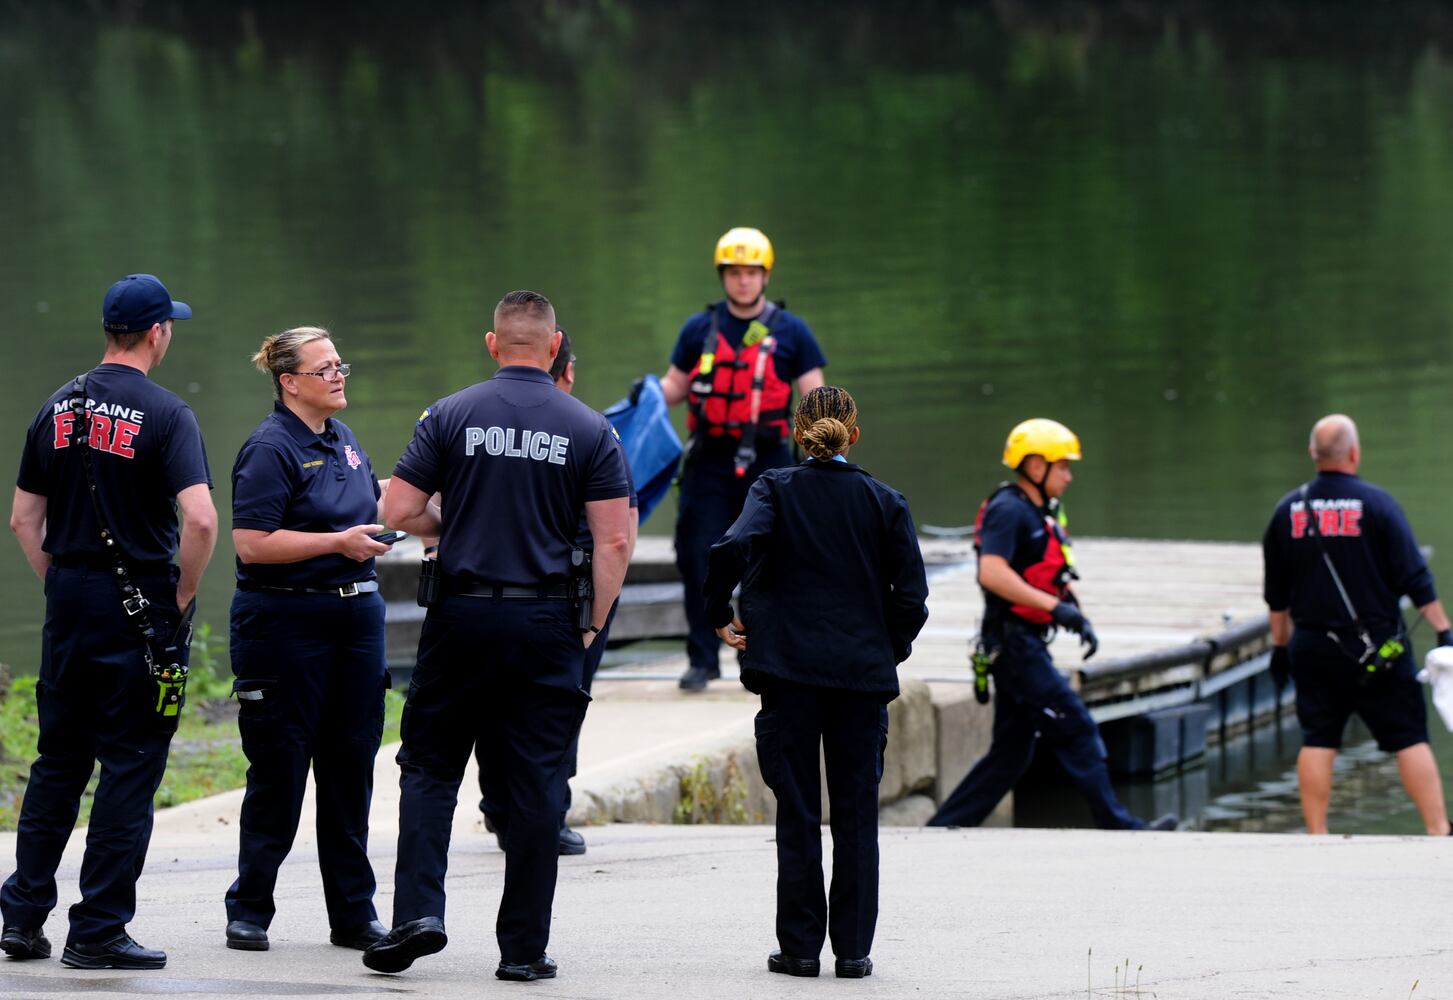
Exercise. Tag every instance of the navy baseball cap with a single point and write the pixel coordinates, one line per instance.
(139, 301)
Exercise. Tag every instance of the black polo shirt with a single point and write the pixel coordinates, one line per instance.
(145, 449)
(516, 460)
(287, 477)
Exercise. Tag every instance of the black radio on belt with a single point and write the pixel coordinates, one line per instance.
(582, 587)
(429, 580)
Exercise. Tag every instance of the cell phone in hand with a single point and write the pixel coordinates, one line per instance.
(389, 537)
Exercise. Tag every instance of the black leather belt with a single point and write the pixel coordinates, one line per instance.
(347, 590)
(554, 591)
(88, 561)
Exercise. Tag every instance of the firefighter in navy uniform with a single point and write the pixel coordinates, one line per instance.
(562, 373)
(99, 696)
(735, 365)
(1349, 651)
(503, 646)
(307, 641)
(1025, 570)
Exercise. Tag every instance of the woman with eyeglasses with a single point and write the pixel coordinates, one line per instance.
(307, 640)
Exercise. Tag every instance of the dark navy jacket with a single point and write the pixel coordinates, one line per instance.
(833, 587)
(1370, 542)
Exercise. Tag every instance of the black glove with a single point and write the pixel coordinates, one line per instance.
(1070, 618)
(1445, 637)
(1281, 667)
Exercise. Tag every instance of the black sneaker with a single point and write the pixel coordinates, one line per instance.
(543, 967)
(696, 678)
(22, 944)
(413, 939)
(1169, 821)
(789, 966)
(118, 953)
(571, 843)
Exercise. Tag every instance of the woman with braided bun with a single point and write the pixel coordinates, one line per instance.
(833, 593)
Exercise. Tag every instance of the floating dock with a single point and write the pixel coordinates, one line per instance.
(1182, 660)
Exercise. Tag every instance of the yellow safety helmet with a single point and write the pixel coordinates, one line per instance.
(749, 247)
(1040, 436)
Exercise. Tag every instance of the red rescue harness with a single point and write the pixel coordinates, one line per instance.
(738, 394)
(1051, 571)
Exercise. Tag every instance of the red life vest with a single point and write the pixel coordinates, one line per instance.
(1052, 570)
(736, 390)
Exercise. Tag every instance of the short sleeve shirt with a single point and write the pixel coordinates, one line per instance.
(145, 449)
(1369, 540)
(796, 354)
(289, 477)
(515, 460)
(1013, 529)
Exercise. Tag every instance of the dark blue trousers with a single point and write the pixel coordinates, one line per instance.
(497, 812)
(712, 496)
(505, 673)
(96, 703)
(310, 682)
(1033, 701)
(852, 730)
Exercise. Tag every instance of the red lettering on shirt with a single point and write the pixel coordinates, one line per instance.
(100, 432)
(64, 422)
(1351, 525)
(126, 431)
(1299, 523)
(1327, 523)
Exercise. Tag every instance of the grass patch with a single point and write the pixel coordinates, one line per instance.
(206, 753)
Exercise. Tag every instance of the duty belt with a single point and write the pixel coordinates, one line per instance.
(552, 591)
(347, 590)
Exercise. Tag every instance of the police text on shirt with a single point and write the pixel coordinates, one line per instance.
(536, 445)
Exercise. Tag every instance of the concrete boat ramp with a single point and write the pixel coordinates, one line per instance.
(677, 912)
(660, 909)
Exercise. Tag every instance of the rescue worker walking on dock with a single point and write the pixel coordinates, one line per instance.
(106, 464)
(735, 365)
(1339, 555)
(833, 595)
(1025, 570)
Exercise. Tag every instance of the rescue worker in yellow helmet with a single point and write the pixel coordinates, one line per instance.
(1025, 570)
(735, 365)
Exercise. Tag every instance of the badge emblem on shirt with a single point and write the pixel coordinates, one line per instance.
(354, 459)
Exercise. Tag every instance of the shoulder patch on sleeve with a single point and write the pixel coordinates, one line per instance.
(425, 415)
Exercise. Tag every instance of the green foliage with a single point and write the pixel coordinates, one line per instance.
(18, 732)
(707, 799)
(206, 680)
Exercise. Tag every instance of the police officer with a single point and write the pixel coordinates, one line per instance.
(496, 818)
(1338, 556)
(307, 640)
(503, 649)
(735, 365)
(98, 698)
(833, 598)
(1025, 570)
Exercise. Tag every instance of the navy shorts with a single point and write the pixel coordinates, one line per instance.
(1329, 690)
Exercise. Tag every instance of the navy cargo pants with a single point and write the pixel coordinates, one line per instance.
(505, 672)
(852, 729)
(310, 682)
(96, 702)
(1032, 701)
(712, 495)
(497, 812)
